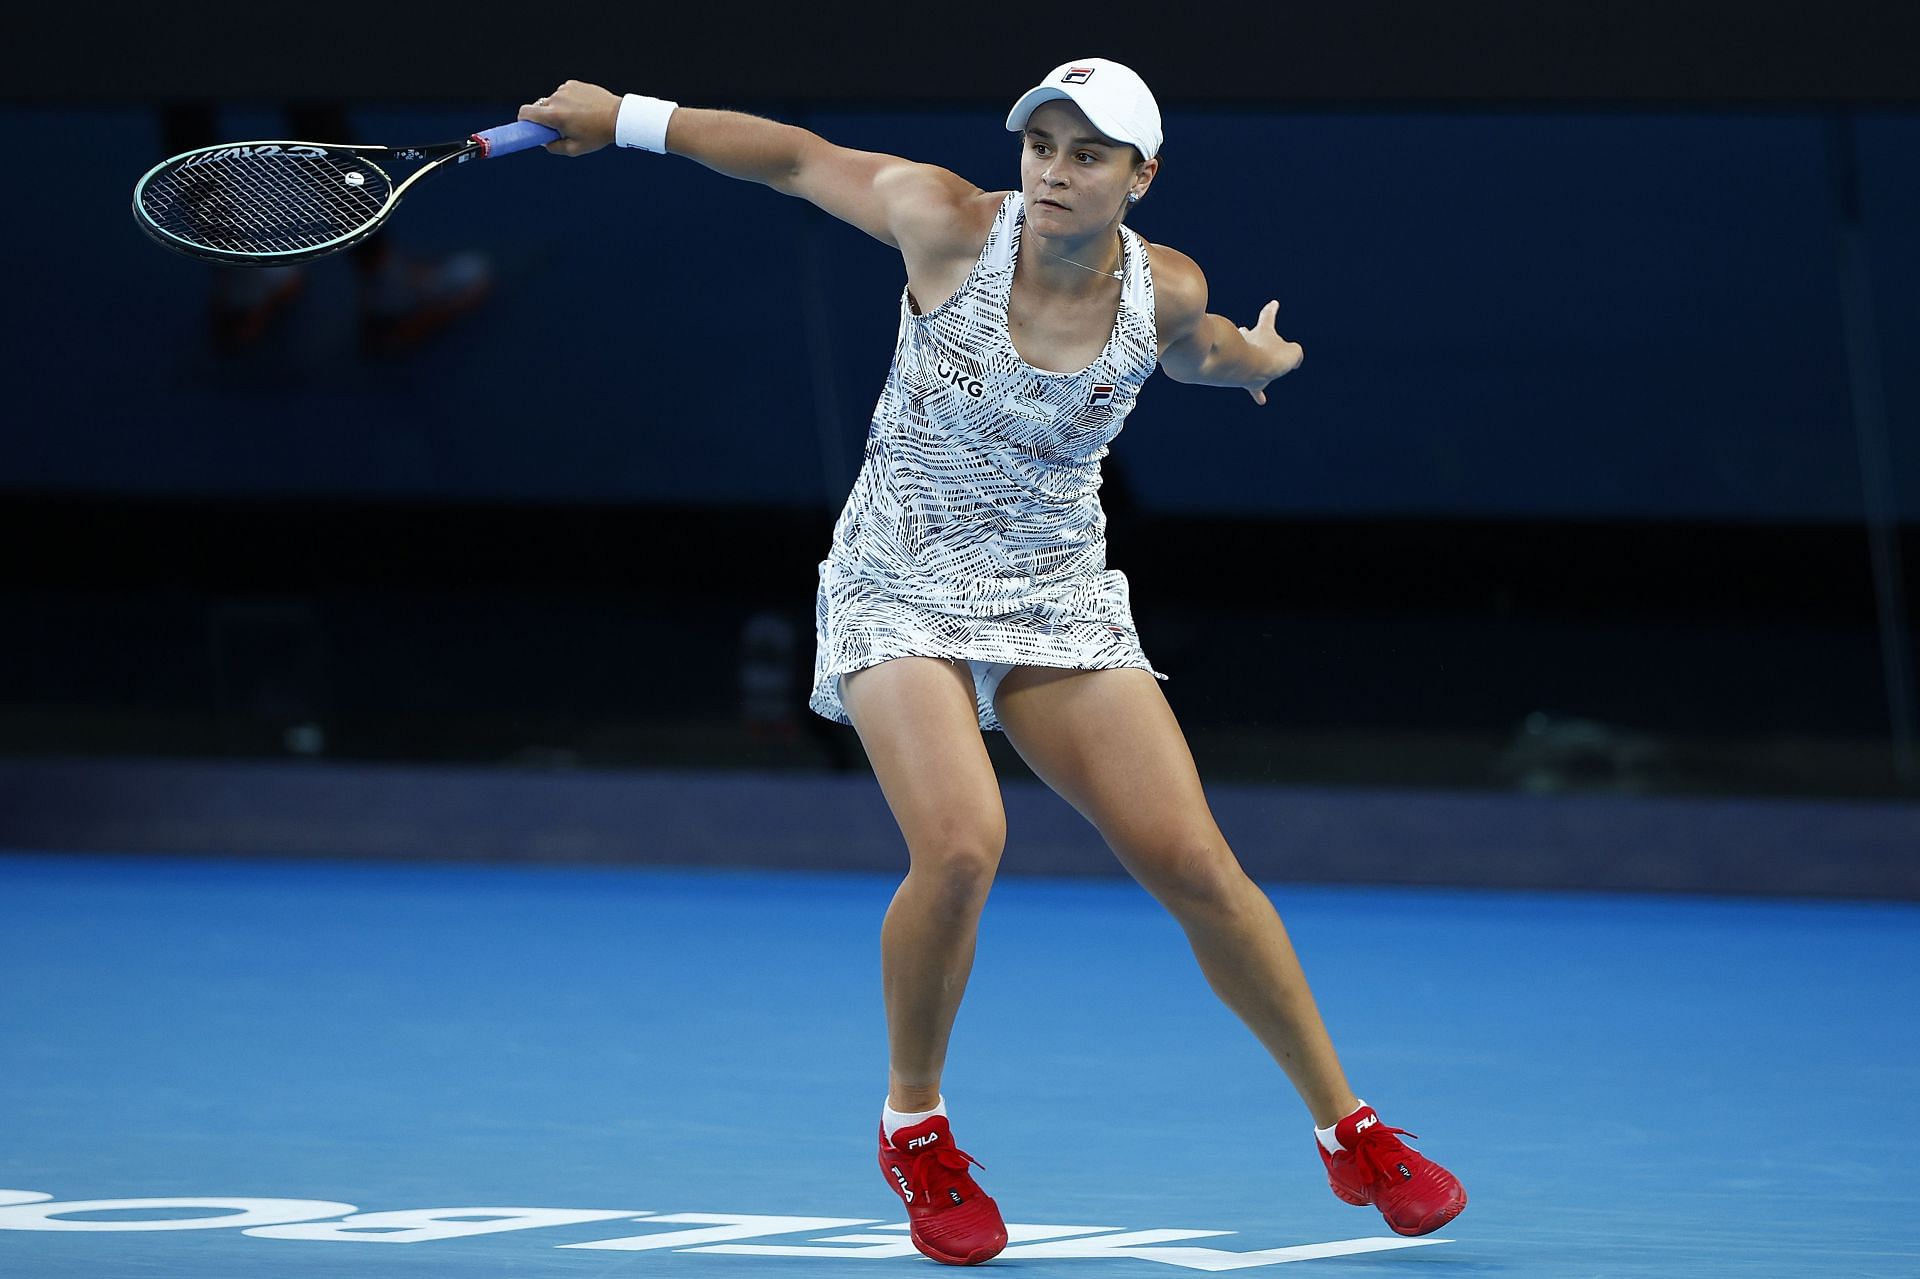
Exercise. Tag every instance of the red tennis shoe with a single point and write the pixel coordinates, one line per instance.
(951, 1218)
(1416, 1195)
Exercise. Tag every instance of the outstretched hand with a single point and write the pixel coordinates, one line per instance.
(1283, 356)
(584, 114)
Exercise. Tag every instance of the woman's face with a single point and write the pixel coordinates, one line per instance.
(1075, 178)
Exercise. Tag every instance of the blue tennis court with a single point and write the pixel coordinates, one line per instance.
(225, 1068)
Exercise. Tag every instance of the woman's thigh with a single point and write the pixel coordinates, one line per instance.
(1108, 743)
(917, 720)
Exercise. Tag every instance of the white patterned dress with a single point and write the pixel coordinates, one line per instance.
(974, 531)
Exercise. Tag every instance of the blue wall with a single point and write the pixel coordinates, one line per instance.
(1582, 315)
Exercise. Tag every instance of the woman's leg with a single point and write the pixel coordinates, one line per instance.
(916, 719)
(1108, 743)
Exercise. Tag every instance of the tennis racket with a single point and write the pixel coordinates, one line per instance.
(270, 203)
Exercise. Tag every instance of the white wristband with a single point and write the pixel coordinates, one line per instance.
(642, 122)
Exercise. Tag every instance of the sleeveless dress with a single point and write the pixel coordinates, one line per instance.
(974, 531)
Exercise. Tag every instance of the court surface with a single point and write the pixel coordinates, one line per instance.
(692, 1063)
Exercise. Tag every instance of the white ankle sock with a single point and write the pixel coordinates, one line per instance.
(892, 1121)
(1327, 1142)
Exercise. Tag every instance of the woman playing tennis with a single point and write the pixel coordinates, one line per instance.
(967, 587)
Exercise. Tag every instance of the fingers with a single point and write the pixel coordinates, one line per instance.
(545, 110)
(542, 111)
(1267, 314)
(583, 114)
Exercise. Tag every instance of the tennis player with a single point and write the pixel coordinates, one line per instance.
(967, 587)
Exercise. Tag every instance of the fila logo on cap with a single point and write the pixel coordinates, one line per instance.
(1120, 106)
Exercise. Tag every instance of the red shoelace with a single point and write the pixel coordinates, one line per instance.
(953, 1158)
(1371, 1151)
(950, 1160)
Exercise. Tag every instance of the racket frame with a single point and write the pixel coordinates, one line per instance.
(440, 155)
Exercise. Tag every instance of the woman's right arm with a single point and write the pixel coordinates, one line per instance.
(898, 202)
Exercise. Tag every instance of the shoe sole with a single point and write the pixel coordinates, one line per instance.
(983, 1252)
(1426, 1227)
(1434, 1222)
(973, 1258)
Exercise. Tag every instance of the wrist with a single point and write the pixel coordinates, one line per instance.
(642, 122)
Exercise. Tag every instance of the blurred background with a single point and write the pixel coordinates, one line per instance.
(1601, 479)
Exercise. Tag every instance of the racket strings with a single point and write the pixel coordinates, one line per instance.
(266, 204)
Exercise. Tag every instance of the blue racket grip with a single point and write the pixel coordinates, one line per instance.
(521, 135)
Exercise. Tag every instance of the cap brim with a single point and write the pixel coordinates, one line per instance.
(1017, 118)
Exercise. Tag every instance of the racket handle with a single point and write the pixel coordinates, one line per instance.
(521, 135)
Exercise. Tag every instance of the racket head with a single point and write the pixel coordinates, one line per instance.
(264, 203)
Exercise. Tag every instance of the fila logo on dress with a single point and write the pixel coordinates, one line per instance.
(1102, 394)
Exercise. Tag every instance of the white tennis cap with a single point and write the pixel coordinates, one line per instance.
(1115, 98)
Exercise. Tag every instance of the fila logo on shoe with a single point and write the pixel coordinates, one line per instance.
(1365, 1124)
(901, 1177)
(1405, 1175)
(927, 1140)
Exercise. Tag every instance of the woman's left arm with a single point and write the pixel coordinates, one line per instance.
(1210, 350)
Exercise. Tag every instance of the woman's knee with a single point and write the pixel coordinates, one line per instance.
(1189, 873)
(959, 862)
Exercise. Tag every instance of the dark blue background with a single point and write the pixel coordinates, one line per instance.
(1578, 314)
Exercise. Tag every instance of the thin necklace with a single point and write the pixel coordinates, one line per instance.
(1111, 275)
